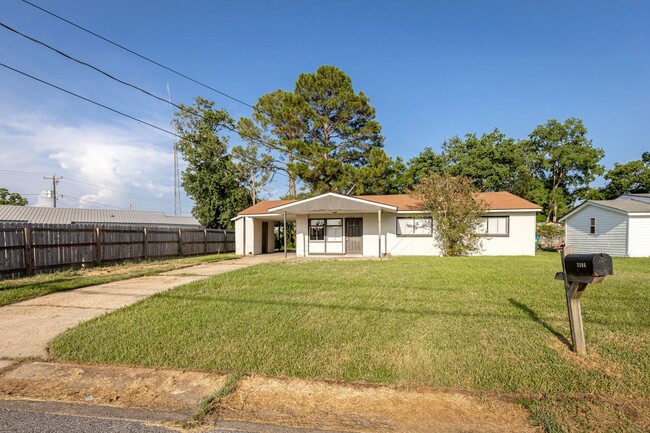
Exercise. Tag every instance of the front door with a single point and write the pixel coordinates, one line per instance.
(354, 236)
(265, 237)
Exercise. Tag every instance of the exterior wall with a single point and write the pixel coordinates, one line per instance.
(302, 236)
(405, 245)
(520, 240)
(239, 236)
(251, 235)
(610, 236)
(370, 239)
(639, 237)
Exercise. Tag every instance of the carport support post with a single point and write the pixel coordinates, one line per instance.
(285, 234)
(379, 230)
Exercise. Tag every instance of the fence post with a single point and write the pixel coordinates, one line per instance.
(180, 242)
(205, 241)
(29, 256)
(225, 241)
(145, 245)
(98, 246)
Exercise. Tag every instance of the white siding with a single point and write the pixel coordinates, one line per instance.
(520, 240)
(610, 236)
(639, 236)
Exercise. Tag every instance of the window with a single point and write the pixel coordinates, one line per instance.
(335, 230)
(326, 235)
(414, 226)
(317, 230)
(592, 226)
(495, 226)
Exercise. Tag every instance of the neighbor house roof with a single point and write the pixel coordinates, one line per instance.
(634, 207)
(404, 203)
(48, 215)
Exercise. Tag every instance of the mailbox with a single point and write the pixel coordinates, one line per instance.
(580, 270)
(595, 265)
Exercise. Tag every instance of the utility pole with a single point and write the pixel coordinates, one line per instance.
(54, 180)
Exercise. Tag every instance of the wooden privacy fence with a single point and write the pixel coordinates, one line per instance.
(26, 249)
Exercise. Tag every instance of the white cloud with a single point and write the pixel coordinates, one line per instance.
(117, 164)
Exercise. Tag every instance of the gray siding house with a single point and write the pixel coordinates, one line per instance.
(618, 227)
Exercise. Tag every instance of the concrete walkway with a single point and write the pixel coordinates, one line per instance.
(26, 328)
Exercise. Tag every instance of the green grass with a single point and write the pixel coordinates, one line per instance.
(12, 291)
(487, 324)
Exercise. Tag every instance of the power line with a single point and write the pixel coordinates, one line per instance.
(146, 92)
(97, 103)
(116, 191)
(139, 55)
(89, 100)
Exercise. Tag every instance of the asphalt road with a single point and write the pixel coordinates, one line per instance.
(44, 417)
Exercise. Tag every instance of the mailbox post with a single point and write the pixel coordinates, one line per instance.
(578, 271)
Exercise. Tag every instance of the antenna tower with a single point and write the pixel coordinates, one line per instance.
(177, 183)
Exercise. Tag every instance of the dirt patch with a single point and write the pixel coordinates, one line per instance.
(335, 406)
(591, 361)
(163, 390)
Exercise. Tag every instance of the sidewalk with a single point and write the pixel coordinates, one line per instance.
(26, 328)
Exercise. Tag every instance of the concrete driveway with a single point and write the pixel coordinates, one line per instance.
(26, 328)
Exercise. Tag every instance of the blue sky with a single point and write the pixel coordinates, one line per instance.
(431, 69)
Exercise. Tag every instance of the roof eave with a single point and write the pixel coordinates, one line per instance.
(359, 200)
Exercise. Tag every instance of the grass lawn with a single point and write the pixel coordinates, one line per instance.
(12, 291)
(495, 325)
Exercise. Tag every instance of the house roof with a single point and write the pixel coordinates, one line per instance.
(629, 206)
(48, 215)
(264, 206)
(633, 207)
(404, 203)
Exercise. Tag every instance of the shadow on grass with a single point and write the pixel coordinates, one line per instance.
(365, 308)
(531, 313)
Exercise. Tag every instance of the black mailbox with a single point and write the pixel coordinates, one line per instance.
(595, 265)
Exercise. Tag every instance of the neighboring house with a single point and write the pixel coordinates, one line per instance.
(618, 227)
(49, 215)
(376, 225)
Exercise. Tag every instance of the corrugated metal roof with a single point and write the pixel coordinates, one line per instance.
(48, 215)
(404, 202)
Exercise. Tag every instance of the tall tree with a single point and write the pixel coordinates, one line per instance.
(12, 198)
(210, 175)
(420, 166)
(632, 177)
(253, 164)
(322, 129)
(493, 161)
(380, 175)
(456, 210)
(566, 163)
(281, 113)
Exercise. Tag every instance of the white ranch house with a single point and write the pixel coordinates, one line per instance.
(618, 227)
(378, 225)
